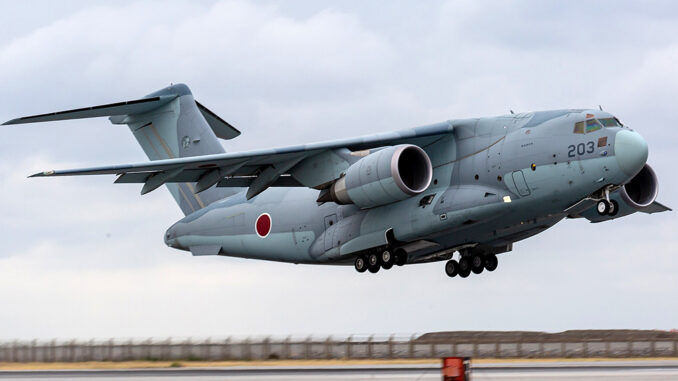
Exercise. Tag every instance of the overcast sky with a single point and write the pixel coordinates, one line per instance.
(84, 258)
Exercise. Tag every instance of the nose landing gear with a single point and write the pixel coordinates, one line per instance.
(607, 207)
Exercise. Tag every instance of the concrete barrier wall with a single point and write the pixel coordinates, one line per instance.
(328, 348)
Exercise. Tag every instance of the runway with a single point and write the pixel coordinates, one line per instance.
(551, 371)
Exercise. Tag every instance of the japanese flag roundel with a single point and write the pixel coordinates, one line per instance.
(263, 225)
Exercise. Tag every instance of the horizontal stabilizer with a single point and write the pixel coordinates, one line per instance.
(221, 128)
(138, 106)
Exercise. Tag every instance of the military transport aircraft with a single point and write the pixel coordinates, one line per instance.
(468, 186)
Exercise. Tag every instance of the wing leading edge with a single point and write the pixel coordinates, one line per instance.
(257, 169)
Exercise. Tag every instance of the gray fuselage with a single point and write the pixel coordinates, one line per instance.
(495, 181)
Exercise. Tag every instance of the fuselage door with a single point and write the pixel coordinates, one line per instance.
(521, 184)
(330, 227)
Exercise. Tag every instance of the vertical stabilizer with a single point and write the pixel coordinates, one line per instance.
(168, 124)
(177, 129)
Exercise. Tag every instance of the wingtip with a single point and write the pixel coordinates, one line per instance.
(42, 174)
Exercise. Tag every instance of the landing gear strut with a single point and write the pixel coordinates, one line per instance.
(607, 207)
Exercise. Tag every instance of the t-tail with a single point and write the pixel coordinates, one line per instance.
(168, 124)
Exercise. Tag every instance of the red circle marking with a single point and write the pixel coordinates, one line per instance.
(263, 225)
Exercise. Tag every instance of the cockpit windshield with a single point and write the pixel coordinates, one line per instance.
(609, 122)
(593, 124)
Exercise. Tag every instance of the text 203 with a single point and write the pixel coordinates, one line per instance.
(580, 149)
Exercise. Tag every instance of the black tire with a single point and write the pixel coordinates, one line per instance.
(387, 259)
(614, 208)
(374, 269)
(464, 267)
(400, 257)
(451, 268)
(360, 264)
(491, 262)
(477, 264)
(603, 207)
(373, 260)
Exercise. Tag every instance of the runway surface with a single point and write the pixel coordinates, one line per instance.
(555, 371)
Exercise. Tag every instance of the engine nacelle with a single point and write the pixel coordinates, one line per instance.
(389, 175)
(642, 190)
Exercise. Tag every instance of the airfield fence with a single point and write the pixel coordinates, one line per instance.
(476, 345)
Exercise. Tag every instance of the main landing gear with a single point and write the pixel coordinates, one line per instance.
(474, 263)
(384, 259)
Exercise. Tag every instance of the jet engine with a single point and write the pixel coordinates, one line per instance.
(642, 190)
(388, 175)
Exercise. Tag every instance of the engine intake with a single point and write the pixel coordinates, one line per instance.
(389, 175)
(642, 190)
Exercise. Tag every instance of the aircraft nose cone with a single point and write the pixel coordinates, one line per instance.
(631, 151)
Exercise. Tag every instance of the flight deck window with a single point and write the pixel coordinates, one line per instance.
(609, 122)
(592, 125)
(580, 128)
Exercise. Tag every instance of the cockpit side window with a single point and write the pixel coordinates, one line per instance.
(580, 128)
(592, 125)
(609, 122)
